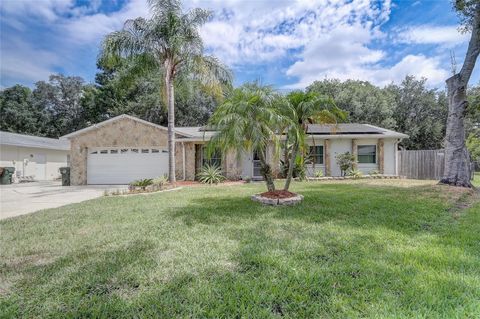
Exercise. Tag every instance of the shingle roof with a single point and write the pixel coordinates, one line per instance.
(14, 139)
(350, 128)
(314, 129)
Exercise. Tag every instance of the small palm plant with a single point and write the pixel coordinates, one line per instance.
(248, 121)
(142, 183)
(303, 108)
(210, 174)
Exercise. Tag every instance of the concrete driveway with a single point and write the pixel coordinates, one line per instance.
(20, 199)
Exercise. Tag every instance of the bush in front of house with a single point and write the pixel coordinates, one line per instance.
(160, 181)
(210, 174)
(345, 161)
(355, 173)
(142, 183)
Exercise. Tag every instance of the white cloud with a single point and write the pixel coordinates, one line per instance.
(22, 61)
(428, 34)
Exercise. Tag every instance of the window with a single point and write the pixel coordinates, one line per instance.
(154, 150)
(113, 151)
(367, 154)
(123, 150)
(104, 152)
(316, 154)
(134, 150)
(145, 150)
(214, 160)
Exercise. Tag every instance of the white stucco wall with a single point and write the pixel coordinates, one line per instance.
(43, 164)
(342, 145)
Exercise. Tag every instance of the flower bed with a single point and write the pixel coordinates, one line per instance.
(279, 197)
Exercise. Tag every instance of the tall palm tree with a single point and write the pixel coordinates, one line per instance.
(248, 121)
(168, 43)
(302, 109)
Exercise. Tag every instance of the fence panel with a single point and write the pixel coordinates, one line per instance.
(423, 164)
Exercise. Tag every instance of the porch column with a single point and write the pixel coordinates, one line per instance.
(381, 156)
(354, 153)
(328, 170)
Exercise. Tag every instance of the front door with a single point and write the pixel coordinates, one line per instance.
(40, 166)
(257, 174)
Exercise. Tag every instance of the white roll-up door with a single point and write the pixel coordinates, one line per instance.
(124, 165)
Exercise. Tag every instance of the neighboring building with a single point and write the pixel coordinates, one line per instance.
(38, 157)
(125, 148)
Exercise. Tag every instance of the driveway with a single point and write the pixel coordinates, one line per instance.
(20, 199)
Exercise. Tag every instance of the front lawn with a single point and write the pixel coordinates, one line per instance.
(392, 248)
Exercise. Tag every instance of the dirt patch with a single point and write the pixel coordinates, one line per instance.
(278, 194)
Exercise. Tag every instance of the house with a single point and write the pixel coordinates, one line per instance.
(125, 148)
(38, 157)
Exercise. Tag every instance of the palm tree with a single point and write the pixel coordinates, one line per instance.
(248, 121)
(302, 109)
(169, 44)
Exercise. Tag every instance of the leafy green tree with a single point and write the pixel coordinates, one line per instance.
(473, 145)
(419, 112)
(170, 45)
(300, 109)
(248, 121)
(61, 100)
(18, 113)
(364, 102)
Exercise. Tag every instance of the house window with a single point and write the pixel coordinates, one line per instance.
(154, 150)
(104, 152)
(367, 154)
(214, 160)
(145, 150)
(316, 154)
(113, 151)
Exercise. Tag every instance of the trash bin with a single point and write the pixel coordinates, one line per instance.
(65, 171)
(6, 175)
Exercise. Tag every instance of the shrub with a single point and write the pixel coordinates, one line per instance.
(210, 174)
(319, 173)
(355, 173)
(345, 161)
(160, 181)
(143, 183)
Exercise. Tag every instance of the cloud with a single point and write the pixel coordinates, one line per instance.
(428, 34)
(21, 61)
(417, 65)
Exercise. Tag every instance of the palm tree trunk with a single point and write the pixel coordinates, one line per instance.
(457, 159)
(171, 121)
(266, 171)
(291, 166)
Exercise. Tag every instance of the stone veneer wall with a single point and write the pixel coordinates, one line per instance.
(129, 133)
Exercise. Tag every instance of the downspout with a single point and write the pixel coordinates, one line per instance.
(183, 161)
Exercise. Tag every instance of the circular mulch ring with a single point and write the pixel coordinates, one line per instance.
(276, 198)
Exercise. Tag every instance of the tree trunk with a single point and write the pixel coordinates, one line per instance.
(291, 166)
(457, 159)
(266, 171)
(171, 122)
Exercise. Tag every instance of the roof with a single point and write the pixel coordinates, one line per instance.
(196, 132)
(117, 118)
(14, 139)
(351, 129)
(202, 133)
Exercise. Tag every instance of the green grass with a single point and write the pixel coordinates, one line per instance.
(383, 249)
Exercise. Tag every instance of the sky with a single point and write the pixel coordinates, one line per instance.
(288, 44)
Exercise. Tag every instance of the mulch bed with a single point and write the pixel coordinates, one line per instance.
(278, 194)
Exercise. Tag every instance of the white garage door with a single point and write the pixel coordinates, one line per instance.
(124, 165)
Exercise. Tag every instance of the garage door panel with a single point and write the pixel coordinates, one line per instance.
(122, 166)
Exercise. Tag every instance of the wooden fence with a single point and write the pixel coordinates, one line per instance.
(423, 164)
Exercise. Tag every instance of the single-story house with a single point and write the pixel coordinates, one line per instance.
(125, 148)
(33, 156)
